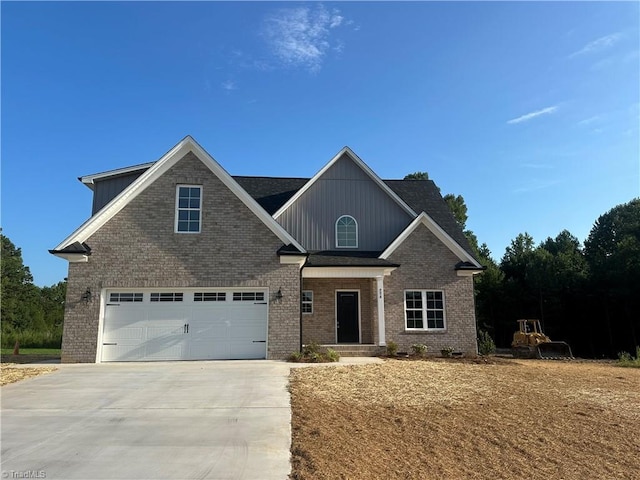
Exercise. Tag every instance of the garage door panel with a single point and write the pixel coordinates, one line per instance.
(186, 330)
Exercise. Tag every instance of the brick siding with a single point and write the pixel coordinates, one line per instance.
(427, 264)
(138, 248)
(320, 326)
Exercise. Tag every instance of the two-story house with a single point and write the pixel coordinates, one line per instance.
(182, 261)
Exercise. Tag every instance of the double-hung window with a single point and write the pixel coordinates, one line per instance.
(424, 310)
(307, 301)
(188, 208)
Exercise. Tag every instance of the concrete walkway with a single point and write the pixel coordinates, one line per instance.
(178, 420)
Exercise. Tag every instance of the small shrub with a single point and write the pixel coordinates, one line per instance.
(625, 359)
(419, 349)
(392, 349)
(486, 346)
(332, 355)
(311, 348)
(447, 351)
(294, 357)
(314, 353)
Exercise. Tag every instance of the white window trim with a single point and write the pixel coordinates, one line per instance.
(177, 209)
(307, 302)
(336, 231)
(425, 323)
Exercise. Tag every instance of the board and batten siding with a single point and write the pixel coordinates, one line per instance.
(106, 190)
(344, 189)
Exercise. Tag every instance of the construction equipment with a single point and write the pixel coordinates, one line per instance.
(530, 342)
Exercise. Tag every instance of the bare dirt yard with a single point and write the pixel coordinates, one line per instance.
(459, 419)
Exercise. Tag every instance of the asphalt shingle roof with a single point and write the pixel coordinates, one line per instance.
(332, 258)
(421, 195)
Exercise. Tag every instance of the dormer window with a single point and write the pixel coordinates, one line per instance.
(346, 232)
(188, 208)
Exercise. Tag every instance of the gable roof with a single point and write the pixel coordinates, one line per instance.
(157, 169)
(270, 192)
(363, 166)
(424, 196)
(440, 233)
(273, 193)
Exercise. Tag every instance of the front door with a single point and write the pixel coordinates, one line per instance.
(347, 316)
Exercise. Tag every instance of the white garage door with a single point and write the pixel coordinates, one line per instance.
(145, 325)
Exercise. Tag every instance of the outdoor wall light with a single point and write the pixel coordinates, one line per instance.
(279, 294)
(86, 296)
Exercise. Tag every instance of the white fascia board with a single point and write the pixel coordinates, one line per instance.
(293, 260)
(346, 272)
(444, 237)
(157, 169)
(468, 273)
(363, 166)
(89, 180)
(73, 257)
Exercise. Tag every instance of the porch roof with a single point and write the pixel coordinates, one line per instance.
(333, 258)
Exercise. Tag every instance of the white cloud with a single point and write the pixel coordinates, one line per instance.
(229, 85)
(590, 120)
(535, 114)
(301, 36)
(598, 45)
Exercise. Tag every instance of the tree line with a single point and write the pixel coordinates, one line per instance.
(31, 315)
(587, 295)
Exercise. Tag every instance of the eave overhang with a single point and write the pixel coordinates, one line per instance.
(346, 272)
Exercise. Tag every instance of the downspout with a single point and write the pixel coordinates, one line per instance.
(300, 308)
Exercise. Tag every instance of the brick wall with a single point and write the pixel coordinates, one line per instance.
(138, 248)
(320, 326)
(426, 263)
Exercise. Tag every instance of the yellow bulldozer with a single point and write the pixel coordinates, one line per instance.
(530, 342)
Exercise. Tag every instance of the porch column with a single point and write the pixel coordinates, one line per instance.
(380, 294)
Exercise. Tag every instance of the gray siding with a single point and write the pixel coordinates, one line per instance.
(344, 189)
(106, 190)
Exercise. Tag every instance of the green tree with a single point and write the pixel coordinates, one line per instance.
(20, 308)
(458, 207)
(612, 251)
(417, 176)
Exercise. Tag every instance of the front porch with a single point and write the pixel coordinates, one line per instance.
(342, 313)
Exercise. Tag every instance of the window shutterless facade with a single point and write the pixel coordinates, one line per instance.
(346, 232)
(188, 208)
(307, 301)
(424, 310)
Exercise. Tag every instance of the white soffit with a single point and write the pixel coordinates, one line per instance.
(155, 171)
(444, 237)
(365, 168)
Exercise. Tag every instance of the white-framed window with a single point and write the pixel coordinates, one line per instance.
(307, 301)
(346, 232)
(166, 297)
(125, 297)
(424, 310)
(188, 208)
(248, 296)
(209, 297)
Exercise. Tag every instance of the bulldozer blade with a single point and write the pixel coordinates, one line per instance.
(554, 351)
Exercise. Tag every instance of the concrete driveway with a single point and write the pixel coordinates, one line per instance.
(179, 420)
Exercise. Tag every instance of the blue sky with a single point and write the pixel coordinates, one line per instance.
(530, 111)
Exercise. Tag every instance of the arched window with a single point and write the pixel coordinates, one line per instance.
(346, 232)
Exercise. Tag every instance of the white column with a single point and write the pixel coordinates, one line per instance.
(380, 294)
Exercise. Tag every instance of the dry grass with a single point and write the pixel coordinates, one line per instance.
(11, 373)
(466, 419)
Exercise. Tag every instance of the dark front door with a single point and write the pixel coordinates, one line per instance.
(347, 317)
